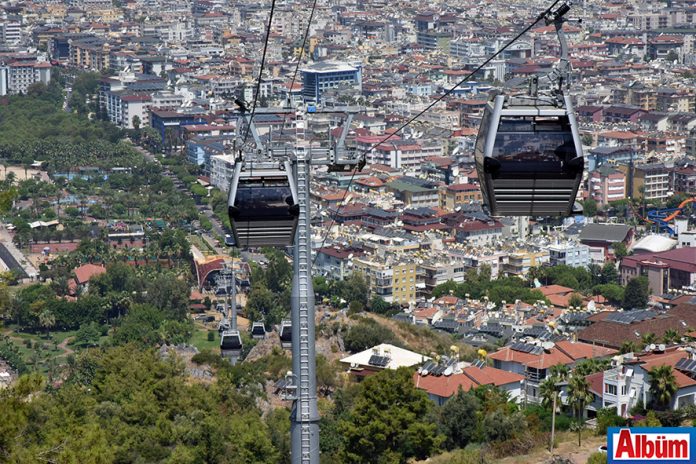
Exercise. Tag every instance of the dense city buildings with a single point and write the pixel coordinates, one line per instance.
(116, 211)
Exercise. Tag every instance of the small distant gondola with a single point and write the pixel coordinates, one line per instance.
(262, 206)
(258, 330)
(230, 341)
(285, 333)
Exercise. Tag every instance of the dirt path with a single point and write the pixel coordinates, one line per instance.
(64, 346)
(567, 448)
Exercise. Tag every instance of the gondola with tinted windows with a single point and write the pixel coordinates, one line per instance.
(258, 330)
(285, 332)
(528, 151)
(230, 343)
(262, 205)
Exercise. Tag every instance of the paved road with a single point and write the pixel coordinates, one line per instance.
(218, 228)
(11, 262)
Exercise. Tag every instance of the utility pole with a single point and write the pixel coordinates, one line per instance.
(553, 420)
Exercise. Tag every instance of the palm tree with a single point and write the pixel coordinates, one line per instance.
(670, 336)
(586, 367)
(628, 347)
(547, 390)
(560, 371)
(579, 396)
(47, 320)
(663, 385)
(648, 339)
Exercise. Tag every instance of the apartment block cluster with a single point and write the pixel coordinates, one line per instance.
(540, 338)
(412, 219)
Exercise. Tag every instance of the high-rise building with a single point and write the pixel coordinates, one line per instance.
(324, 75)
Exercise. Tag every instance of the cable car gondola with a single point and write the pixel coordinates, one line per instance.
(230, 343)
(529, 157)
(223, 325)
(285, 332)
(528, 151)
(262, 205)
(258, 330)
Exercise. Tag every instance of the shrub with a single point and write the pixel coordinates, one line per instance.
(597, 458)
(638, 409)
(540, 418)
(650, 420)
(366, 334)
(670, 418)
(211, 336)
(468, 455)
(355, 307)
(522, 444)
(689, 411)
(607, 417)
(209, 358)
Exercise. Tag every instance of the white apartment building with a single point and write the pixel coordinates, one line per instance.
(18, 76)
(221, 171)
(569, 254)
(11, 30)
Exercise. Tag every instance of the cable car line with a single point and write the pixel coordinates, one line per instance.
(258, 81)
(299, 60)
(257, 91)
(548, 11)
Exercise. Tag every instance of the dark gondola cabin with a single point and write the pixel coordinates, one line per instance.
(262, 207)
(230, 340)
(285, 334)
(529, 157)
(258, 330)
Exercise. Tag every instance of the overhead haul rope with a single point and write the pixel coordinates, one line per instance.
(543, 15)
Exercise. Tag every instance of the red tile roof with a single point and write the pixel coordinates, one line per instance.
(584, 350)
(564, 352)
(471, 377)
(426, 313)
(668, 358)
(84, 273)
(555, 290)
(614, 334)
(596, 382)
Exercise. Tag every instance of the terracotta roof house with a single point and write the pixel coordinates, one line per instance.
(84, 273)
(443, 387)
(533, 361)
(618, 327)
(628, 383)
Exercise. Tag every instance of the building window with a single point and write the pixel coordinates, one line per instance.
(610, 389)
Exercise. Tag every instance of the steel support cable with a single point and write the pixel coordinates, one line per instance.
(258, 81)
(299, 60)
(256, 98)
(363, 155)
